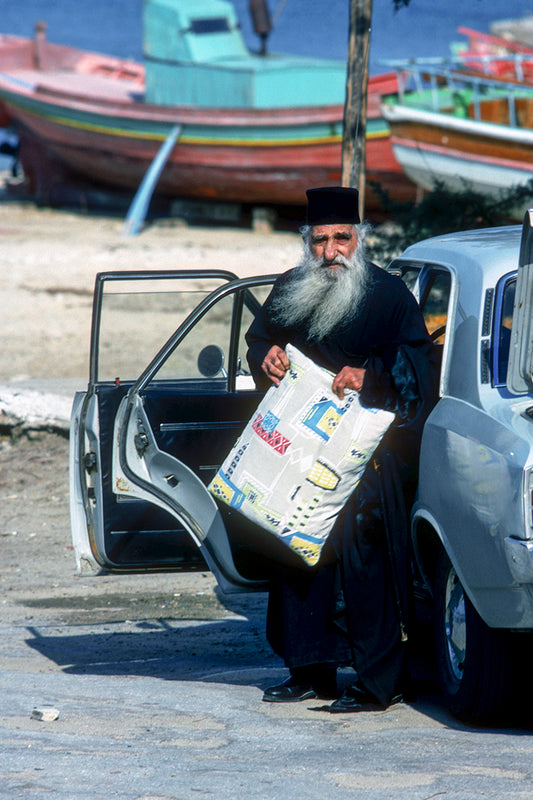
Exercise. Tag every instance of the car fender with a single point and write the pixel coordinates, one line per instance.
(508, 606)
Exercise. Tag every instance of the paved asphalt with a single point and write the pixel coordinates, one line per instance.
(168, 711)
(157, 709)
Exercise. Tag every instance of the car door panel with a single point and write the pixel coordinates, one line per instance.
(148, 449)
(141, 469)
(126, 533)
(198, 428)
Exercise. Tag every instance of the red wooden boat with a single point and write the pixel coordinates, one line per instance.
(496, 57)
(249, 128)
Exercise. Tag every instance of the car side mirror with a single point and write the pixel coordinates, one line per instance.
(211, 361)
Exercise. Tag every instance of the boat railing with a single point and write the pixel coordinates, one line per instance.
(511, 66)
(436, 83)
(517, 66)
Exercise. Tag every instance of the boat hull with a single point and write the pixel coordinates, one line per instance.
(437, 148)
(79, 125)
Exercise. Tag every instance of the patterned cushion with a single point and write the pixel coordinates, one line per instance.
(300, 457)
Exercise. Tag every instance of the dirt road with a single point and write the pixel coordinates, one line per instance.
(49, 262)
(38, 579)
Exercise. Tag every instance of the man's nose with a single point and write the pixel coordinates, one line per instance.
(330, 251)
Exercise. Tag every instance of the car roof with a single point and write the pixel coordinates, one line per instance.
(490, 251)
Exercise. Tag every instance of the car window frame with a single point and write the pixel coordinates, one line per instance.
(240, 287)
(498, 381)
(400, 266)
(128, 275)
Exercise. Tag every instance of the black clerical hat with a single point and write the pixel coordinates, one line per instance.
(333, 205)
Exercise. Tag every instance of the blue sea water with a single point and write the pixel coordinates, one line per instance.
(308, 27)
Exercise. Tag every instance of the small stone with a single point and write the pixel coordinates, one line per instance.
(45, 714)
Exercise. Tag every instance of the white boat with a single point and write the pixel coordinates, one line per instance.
(463, 132)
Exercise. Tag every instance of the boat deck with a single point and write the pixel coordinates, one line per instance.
(89, 85)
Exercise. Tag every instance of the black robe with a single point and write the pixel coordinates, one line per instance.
(354, 606)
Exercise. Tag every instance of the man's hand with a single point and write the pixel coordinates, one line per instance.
(275, 364)
(348, 378)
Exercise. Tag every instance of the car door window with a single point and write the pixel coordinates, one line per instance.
(137, 315)
(148, 334)
(249, 308)
(407, 272)
(434, 300)
(212, 331)
(503, 320)
(205, 352)
(432, 287)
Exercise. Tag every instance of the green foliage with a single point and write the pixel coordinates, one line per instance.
(443, 211)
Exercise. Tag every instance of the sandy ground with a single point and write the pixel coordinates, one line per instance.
(49, 262)
(50, 259)
(38, 579)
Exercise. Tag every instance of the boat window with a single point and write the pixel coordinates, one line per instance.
(210, 25)
(502, 330)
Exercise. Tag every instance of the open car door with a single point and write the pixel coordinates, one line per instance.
(520, 369)
(145, 442)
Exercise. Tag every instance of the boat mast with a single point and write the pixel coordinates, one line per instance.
(355, 106)
(261, 22)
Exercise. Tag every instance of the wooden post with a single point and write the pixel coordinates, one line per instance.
(354, 129)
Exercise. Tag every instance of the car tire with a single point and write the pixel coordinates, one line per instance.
(473, 661)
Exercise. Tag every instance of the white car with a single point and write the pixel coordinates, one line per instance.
(169, 392)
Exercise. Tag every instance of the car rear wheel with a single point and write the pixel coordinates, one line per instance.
(473, 661)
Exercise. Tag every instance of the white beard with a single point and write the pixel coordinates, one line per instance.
(325, 297)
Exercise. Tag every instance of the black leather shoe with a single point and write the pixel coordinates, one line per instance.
(292, 691)
(356, 698)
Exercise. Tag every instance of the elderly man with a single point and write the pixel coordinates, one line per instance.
(363, 325)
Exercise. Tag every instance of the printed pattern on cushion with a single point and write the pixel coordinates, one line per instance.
(300, 457)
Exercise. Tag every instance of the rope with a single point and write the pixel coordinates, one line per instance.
(281, 5)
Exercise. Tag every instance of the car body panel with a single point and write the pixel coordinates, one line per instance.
(477, 444)
(472, 492)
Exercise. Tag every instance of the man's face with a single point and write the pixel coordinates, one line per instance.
(327, 242)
